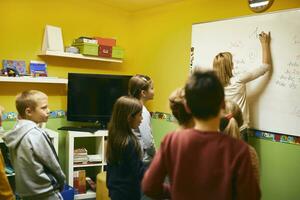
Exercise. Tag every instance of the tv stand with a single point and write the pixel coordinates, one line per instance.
(92, 168)
(91, 129)
(96, 126)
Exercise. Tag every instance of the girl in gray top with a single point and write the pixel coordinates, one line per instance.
(141, 88)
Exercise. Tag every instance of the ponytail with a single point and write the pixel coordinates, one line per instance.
(232, 128)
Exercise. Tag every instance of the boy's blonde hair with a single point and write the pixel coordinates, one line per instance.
(232, 119)
(28, 99)
(223, 66)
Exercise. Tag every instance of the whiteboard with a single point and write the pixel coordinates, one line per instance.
(274, 99)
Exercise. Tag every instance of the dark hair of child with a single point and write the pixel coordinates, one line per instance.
(206, 97)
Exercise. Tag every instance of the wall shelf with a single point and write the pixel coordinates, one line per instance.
(26, 79)
(87, 165)
(78, 56)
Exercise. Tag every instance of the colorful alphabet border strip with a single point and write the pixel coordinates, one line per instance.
(275, 137)
(164, 116)
(12, 116)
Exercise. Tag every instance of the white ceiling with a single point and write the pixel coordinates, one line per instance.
(135, 5)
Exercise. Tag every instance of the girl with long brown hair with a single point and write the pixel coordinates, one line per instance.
(124, 160)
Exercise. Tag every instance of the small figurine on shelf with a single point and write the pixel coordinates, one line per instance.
(8, 71)
(91, 184)
(71, 49)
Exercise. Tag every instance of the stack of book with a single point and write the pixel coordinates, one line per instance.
(85, 40)
(81, 156)
(87, 46)
(95, 158)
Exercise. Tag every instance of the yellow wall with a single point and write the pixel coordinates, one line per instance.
(163, 39)
(157, 41)
(21, 34)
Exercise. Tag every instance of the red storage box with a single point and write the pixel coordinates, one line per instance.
(105, 51)
(106, 41)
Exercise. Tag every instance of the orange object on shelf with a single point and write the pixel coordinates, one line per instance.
(106, 41)
(79, 181)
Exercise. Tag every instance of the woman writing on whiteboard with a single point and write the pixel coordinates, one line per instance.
(235, 86)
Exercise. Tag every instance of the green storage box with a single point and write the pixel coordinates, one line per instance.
(117, 52)
(87, 48)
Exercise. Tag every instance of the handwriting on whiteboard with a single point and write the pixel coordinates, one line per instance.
(296, 39)
(296, 111)
(290, 77)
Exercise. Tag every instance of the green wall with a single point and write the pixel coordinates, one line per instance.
(160, 128)
(279, 164)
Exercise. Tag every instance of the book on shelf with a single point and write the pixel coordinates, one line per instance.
(38, 68)
(80, 156)
(79, 181)
(18, 65)
(88, 159)
(85, 40)
(95, 158)
(80, 152)
(81, 159)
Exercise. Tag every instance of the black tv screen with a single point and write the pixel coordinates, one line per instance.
(92, 96)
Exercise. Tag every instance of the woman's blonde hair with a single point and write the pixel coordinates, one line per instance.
(223, 66)
(232, 119)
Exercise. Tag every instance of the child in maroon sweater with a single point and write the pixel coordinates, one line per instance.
(200, 162)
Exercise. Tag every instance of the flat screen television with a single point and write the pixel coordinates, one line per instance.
(91, 96)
